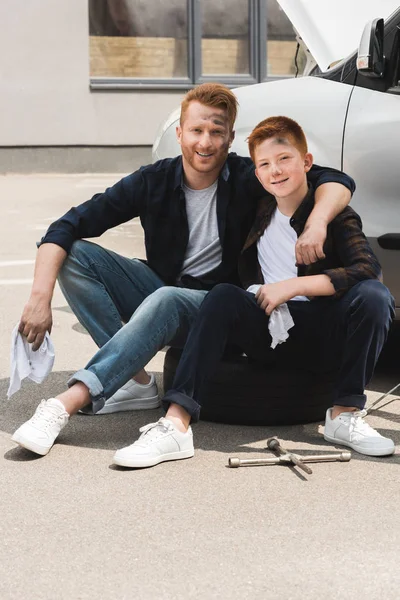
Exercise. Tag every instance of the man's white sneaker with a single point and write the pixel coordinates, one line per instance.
(350, 429)
(39, 433)
(131, 396)
(159, 442)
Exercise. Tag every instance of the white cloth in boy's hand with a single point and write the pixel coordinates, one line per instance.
(26, 363)
(253, 289)
(280, 321)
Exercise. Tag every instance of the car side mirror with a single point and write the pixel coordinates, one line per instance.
(370, 58)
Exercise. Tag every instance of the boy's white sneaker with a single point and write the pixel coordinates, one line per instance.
(131, 396)
(159, 442)
(40, 432)
(350, 429)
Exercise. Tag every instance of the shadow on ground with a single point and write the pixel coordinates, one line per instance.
(109, 432)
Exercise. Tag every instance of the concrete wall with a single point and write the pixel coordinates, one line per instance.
(45, 98)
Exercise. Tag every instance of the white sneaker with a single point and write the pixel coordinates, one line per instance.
(39, 433)
(131, 396)
(159, 442)
(350, 429)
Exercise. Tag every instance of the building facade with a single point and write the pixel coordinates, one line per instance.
(90, 81)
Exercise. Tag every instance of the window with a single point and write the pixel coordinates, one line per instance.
(138, 39)
(225, 43)
(179, 43)
(281, 43)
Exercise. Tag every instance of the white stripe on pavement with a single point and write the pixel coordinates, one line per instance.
(16, 263)
(15, 281)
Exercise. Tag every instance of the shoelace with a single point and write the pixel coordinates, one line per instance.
(44, 416)
(160, 425)
(358, 424)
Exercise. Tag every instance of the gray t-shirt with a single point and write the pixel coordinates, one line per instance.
(203, 252)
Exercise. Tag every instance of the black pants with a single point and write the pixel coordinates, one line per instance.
(346, 334)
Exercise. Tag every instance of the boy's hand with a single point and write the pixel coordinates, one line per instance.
(271, 295)
(309, 246)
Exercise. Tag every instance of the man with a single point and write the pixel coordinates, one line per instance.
(341, 311)
(196, 211)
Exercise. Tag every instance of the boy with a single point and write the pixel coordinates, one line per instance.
(341, 311)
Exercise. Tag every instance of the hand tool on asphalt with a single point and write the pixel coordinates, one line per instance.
(282, 460)
(371, 408)
(288, 458)
(274, 445)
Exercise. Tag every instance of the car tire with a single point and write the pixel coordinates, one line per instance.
(244, 393)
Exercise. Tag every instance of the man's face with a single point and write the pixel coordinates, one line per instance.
(204, 137)
(280, 167)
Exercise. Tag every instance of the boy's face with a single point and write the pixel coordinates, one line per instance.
(280, 167)
(204, 136)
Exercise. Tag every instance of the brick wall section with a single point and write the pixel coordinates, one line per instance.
(157, 57)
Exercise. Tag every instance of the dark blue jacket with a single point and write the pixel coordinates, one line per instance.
(154, 193)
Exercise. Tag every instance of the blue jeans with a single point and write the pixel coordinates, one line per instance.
(105, 290)
(345, 335)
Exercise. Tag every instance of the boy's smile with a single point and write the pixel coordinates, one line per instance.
(279, 182)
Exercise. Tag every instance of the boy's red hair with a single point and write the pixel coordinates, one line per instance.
(280, 127)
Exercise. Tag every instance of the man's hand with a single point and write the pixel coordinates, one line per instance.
(271, 295)
(37, 318)
(35, 321)
(309, 246)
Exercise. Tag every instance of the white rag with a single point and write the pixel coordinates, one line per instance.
(280, 320)
(27, 363)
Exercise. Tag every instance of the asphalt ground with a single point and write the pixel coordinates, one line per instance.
(73, 526)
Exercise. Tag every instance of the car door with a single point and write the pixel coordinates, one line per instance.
(371, 155)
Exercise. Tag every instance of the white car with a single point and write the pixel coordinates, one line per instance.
(350, 112)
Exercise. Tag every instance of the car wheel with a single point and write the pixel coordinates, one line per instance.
(241, 392)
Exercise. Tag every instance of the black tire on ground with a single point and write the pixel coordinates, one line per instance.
(243, 393)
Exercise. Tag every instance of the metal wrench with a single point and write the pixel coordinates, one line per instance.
(283, 460)
(274, 445)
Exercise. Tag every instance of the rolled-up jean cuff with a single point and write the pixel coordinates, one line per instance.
(357, 400)
(94, 386)
(190, 405)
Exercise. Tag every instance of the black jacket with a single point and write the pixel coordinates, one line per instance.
(348, 260)
(154, 193)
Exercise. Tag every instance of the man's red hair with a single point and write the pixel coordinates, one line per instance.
(212, 94)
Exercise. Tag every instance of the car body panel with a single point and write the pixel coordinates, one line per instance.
(320, 108)
(371, 156)
(372, 161)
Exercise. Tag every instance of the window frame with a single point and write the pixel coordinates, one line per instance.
(257, 11)
(230, 80)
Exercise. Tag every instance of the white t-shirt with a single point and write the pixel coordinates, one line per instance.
(276, 252)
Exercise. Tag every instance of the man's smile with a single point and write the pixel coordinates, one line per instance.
(203, 154)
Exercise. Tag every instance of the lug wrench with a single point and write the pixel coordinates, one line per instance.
(284, 460)
(274, 445)
(288, 458)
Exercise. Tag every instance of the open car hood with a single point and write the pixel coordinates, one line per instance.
(332, 30)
